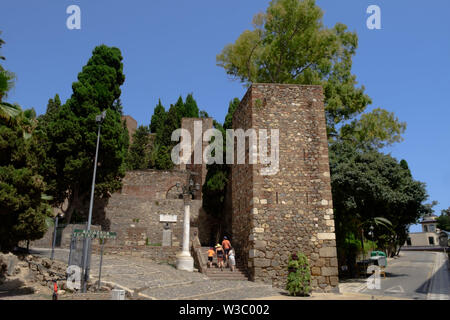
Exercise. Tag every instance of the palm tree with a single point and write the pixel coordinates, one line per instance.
(376, 221)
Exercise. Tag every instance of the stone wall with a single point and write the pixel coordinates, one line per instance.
(134, 213)
(63, 236)
(131, 124)
(153, 184)
(277, 215)
(137, 220)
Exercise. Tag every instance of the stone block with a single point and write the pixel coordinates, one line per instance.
(261, 262)
(327, 252)
(315, 271)
(259, 244)
(334, 281)
(326, 236)
(329, 271)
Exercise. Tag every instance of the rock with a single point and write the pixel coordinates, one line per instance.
(105, 289)
(8, 263)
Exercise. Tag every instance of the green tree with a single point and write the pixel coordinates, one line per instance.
(369, 185)
(23, 211)
(203, 114)
(290, 44)
(232, 106)
(190, 107)
(53, 107)
(444, 220)
(217, 176)
(158, 118)
(139, 155)
(117, 106)
(8, 111)
(163, 159)
(71, 135)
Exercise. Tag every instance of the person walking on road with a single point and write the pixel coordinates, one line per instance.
(226, 244)
(220, 255)
(232, 259)
(211, 253)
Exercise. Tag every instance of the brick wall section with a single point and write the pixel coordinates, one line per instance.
(159, 254)
(131, 124)
(152, 184)
(136, 219)
(274, 216)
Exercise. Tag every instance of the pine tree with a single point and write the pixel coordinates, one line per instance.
(190, 107)
(158, 118)
(23, 211)
(72, 134)
(138, 156)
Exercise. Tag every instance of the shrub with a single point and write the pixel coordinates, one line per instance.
(299, 277)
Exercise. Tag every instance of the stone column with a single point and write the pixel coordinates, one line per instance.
(184, 258)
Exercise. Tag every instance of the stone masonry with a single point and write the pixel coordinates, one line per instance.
(277, 215)
(131, 124)
(134, 212)
(199, 169)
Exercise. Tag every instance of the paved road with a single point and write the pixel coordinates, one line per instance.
(413, 275)
(163, 282)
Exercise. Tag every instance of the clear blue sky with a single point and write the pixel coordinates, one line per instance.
(169, 48)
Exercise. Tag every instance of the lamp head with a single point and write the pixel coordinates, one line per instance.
(100, 117)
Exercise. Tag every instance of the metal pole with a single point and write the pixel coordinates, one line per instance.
(101, 262)
(69, 263)
(88, 227)
(54, 237)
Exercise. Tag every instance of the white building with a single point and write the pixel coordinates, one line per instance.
(429, 235)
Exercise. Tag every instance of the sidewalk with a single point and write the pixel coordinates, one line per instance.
(440, 279)
(334, 296)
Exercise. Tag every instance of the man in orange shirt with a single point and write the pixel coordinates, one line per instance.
(210, 256)
(226, 244)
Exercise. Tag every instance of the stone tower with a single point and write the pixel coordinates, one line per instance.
(277, 215)
(200, 169)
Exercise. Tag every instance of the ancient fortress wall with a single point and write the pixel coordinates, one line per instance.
(134, 212)
(277, 215)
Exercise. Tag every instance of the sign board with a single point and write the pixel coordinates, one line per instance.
(167, 218)
(94, 234)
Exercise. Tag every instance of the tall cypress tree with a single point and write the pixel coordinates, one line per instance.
(72, 134)
(158, 118)
(139, 156)
(190, 107)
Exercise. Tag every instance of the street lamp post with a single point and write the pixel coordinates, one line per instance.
(58, 216)
(99, 120)
(372, 235)
(184, 258)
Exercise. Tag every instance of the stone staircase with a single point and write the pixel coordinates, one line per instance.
(215, 273)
